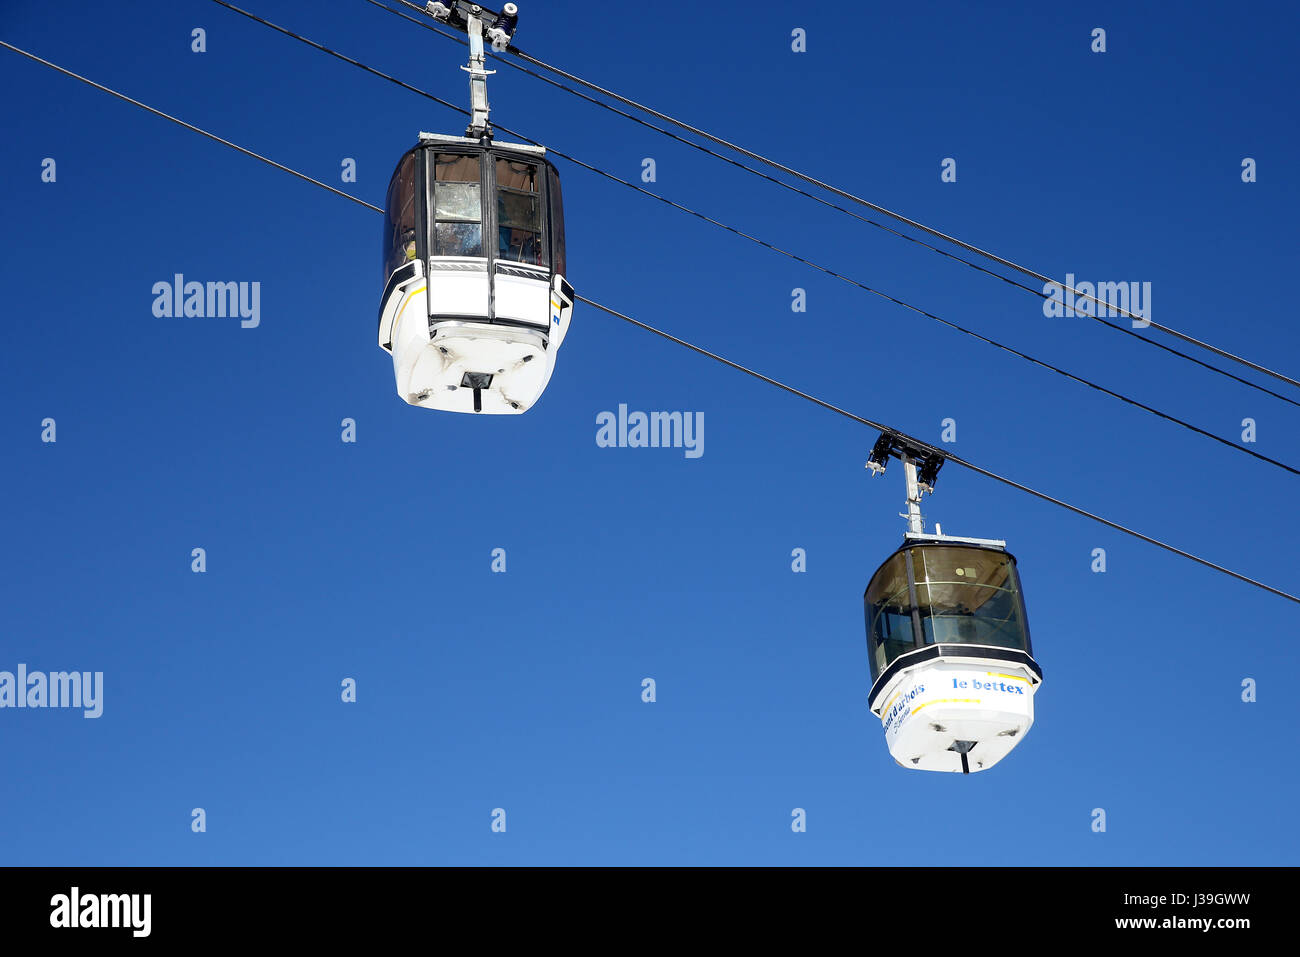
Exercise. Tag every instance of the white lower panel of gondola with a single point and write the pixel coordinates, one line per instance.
(435, 374)
(939, 709)
(522, 299)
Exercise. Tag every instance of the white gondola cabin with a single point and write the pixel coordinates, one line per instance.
(952, 671)
(475, 303)
(953, 675)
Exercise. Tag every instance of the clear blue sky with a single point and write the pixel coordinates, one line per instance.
(522, 690)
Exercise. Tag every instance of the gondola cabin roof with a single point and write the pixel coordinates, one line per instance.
(430, 139)
(913, 538)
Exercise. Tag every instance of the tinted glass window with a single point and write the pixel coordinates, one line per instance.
(520, 176)
(892, 629)
(517, 211)
(457, 202)
(889, 612)
(456, 205)
(968, 595)
(519, 217)
(399, 217)
(450, 168)
(558, 252)
(458, 239)
(963, 596)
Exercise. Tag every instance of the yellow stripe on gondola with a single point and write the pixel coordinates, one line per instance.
(396, 322)
(947, 701)
(998, 674)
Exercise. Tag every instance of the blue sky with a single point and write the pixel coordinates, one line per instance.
(522, 690)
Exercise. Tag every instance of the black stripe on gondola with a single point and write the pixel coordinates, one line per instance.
(446, 265)
(543, 331)
(398, 277)
(523, 272)
(951, 651)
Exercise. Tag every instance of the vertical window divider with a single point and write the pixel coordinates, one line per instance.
(491, 236)
(918, 639)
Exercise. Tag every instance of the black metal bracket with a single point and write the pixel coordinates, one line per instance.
(891, 445)
(456, 13)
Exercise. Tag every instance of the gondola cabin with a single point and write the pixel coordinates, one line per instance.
(475, 303)
(953, 674)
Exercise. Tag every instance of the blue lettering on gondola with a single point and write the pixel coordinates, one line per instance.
(976, 685)
(900, 706)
